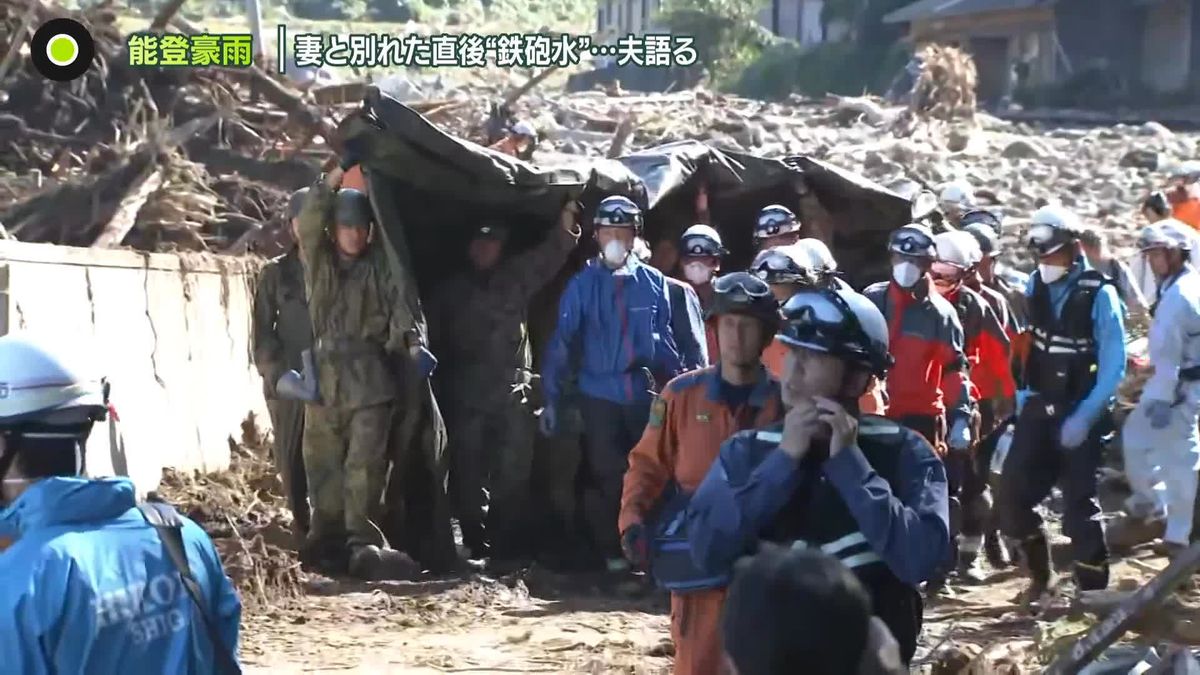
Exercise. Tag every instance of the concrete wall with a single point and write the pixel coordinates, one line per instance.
(170, 332)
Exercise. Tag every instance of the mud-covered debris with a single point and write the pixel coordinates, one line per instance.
(243, 510)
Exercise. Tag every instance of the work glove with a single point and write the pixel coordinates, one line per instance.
(1074, 432)
(960, 435)
(636, 546)
(426, 362)
(1159, 413)
(548, 421)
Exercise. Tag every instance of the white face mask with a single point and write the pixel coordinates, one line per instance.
(697, 273)
(615, 253)
(1052, 273)
(906, 274)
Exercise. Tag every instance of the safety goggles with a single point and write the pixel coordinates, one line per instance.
(775, 267)
(803, 328)
(981, 218)
(912, 244)
(617, 216)
(1044, 239)
(945, 272)
(701, 246)
(741, 287)
(773, 223)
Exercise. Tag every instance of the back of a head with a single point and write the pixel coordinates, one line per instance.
(795, 611)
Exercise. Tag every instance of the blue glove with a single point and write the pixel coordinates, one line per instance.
(960, 435)
(1074, 432)
(426, 362)
(1159, 413)
(1022, 397)
(548, 422)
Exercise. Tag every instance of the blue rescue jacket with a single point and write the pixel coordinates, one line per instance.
(611, 325)
(88, 587)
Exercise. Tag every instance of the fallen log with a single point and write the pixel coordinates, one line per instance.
(123, 219)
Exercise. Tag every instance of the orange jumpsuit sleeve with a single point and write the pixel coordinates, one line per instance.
(651, 462)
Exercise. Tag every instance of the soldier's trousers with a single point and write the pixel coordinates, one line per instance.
(346, 458)
(1035, 463)
(490, 464)
(287, 421)
(610, 430)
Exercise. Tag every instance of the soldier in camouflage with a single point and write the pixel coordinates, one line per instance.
(477, 321)
(363, 333)
(282, 330)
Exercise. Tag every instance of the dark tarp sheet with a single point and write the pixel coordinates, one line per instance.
(850, 213)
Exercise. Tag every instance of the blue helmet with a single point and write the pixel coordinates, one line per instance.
(618, 211)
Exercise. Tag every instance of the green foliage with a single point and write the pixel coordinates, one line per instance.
(831, 68)
(727, 32)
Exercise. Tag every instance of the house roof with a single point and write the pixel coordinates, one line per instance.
(939, 9)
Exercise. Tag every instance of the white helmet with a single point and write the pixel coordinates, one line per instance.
(958, 248)
(1052, 227)
(956, 194)
(820, 257)
(38, 386)
(1169, 233)
(838, 321)
(701, 240)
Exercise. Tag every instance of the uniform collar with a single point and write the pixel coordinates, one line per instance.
(758, 396)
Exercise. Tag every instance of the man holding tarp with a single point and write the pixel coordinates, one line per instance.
(362, 330)
(478, 318)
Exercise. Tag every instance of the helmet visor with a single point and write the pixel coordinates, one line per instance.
(803, 327)
(1044, 239)
(773, 223)
(741, 287)
(616, 216)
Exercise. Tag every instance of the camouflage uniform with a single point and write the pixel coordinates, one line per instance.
(363, 332)
(478, 327)
(282, 330)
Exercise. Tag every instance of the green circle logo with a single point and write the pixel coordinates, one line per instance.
(62, 50)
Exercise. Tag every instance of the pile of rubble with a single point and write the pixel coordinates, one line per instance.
(144, 157)
(243, 510)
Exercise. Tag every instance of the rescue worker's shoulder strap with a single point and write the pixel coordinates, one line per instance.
(166, 521)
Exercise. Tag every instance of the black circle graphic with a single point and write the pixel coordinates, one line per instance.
(39, 45)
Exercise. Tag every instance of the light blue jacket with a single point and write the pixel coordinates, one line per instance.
(87, 586)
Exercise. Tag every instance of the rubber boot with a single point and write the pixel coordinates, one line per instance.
(1089, 577)
(1035, 554)
(996, 551)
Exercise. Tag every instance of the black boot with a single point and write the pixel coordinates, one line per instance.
(994, 549)
(1035, 553)
(1091, 577)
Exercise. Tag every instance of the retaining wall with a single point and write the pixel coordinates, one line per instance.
(171, 332)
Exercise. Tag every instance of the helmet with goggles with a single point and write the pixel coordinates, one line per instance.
(914, 241)
(840, 322)
(618, 211)
(744, 293)
(775, 220)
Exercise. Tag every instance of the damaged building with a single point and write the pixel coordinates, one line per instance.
(1140, 46)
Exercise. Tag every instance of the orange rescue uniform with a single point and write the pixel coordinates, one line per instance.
(687, 425)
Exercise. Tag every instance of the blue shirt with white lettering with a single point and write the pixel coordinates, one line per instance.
(88, 588)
